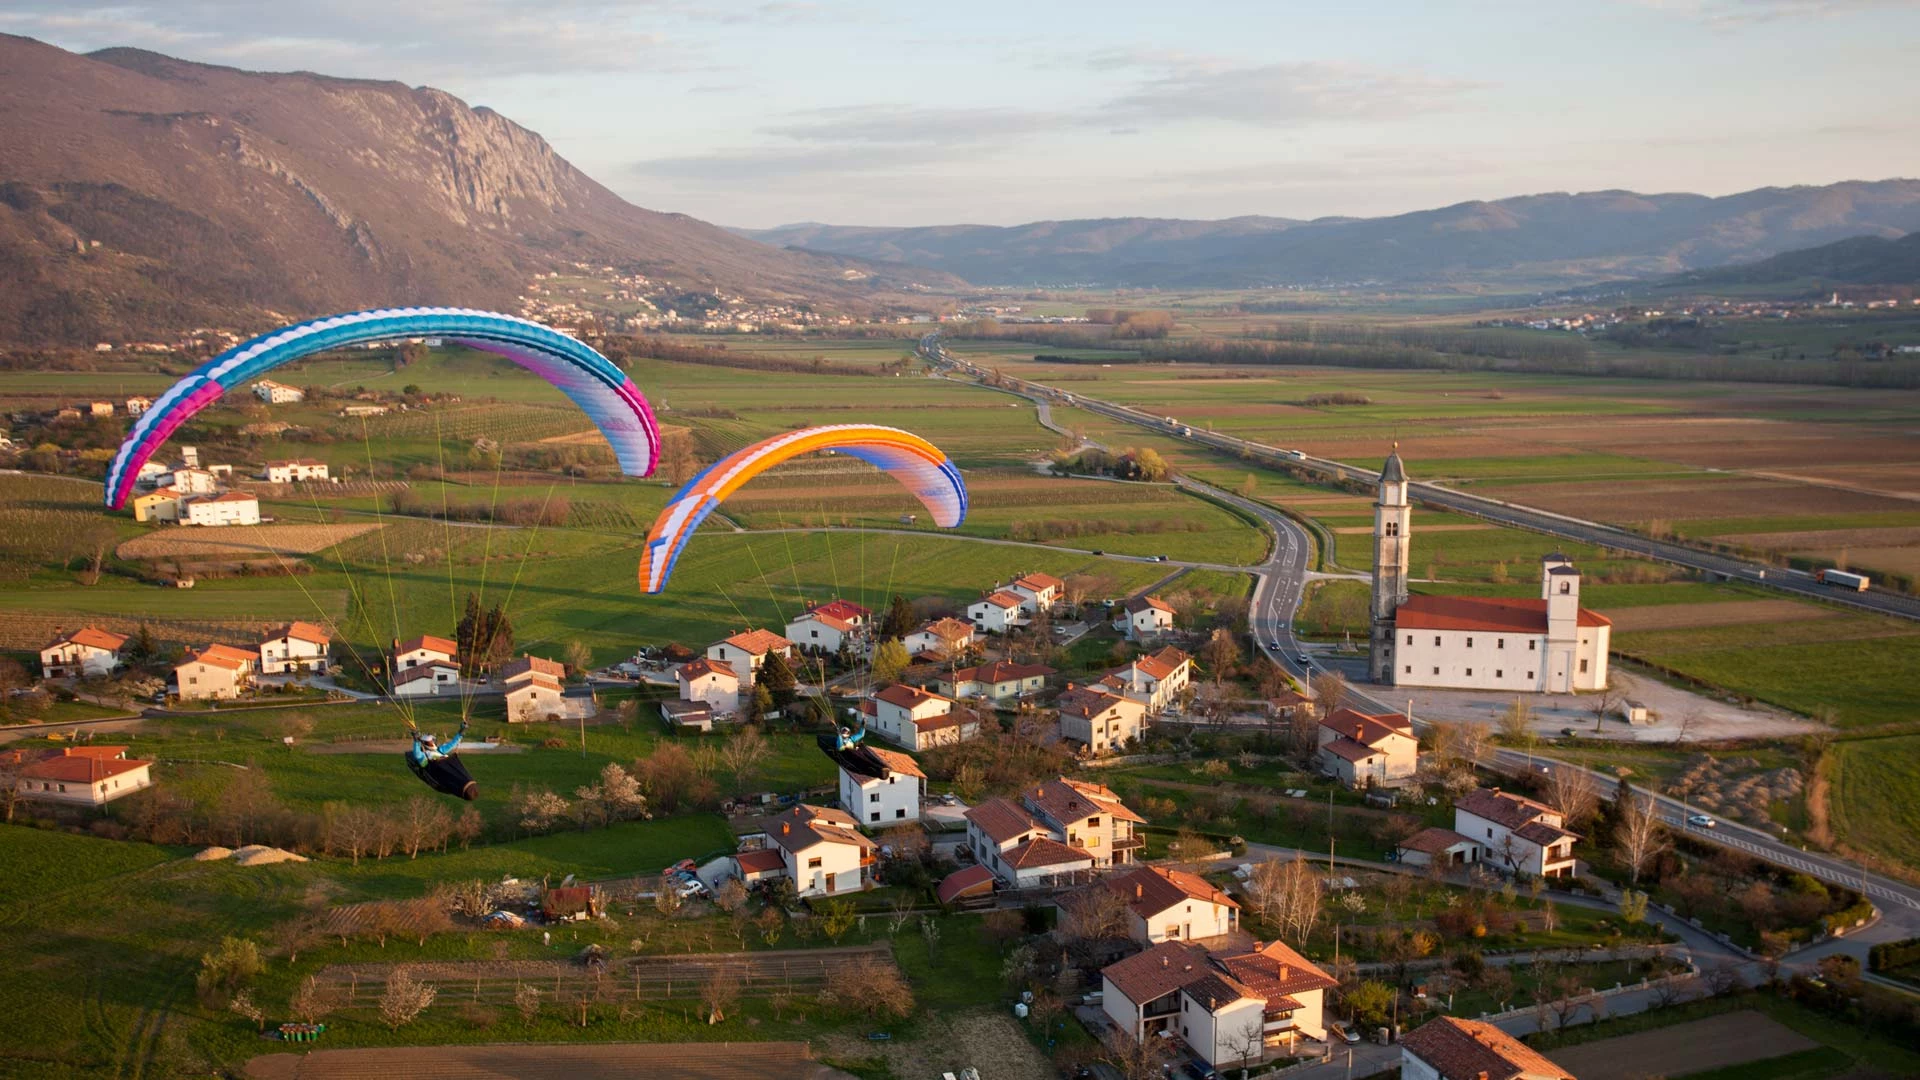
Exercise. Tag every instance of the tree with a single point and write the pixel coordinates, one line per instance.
(1516, 723)
(539, 810)
(1370, 1003)
(229, 967)
(770, 923)
(1633, 905)
(836, 918)
(1570, 790)
(1601, 704)
(897, 621)
(468, 827)
(1639, 835)
(730, 896)
(889, 660)
(1329, 691)
(617, 796)
(579, 658)
(1219, 654)
(871, 988)
(404, 999)
(667, 898)
(526, 1000)
(422, 820)
(1150, 466)
(312, 1002)
(1138, 1059)
(720, 991)
(243, 1005)
(1091, 915)
(1286, 895)
(777, 676)
(743, 755)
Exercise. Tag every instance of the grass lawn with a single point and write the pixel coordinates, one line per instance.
(1812, 1064)
(1872, 805)
(1872, 1055)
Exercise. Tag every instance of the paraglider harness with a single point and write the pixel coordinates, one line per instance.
(443, 772)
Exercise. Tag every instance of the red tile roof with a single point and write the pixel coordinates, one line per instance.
(960, 883)
(1088, 702)
(1003, 599)
(1214, 990)
(1151, 890)
(423, 671)
(301, 631)
(845, 610)
(226, 497)
(1347, 750)
(896, 761)
(1070, 801)
(79, 770)
(825, 618)
(1502, 808)
(1368, 729)
(1039, 582)
(1433, 841)
(1275, 970)
(908, 697)
(804, 826)
(948, 629)
(532, 679)
(758, 642)
(763, 861)
(427, 641)
(704, 666)
(1044, 851)
(523, 665)
(1001, 820)
(1157, 972)
(1481, 613)
(225, 656)
(1000, 671)
(1161, 664)
(93, 638)
(1472, 1050)
(1139, 604)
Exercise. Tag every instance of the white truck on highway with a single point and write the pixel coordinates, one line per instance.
(1840, 579)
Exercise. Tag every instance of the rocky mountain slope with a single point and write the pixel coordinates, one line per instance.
(141, 194)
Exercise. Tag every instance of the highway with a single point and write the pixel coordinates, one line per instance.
(1504, 513)
(1281, 580)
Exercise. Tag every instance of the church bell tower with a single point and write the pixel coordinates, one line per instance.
(1392, 521)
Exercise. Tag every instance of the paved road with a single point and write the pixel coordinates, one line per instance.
(1505, 513)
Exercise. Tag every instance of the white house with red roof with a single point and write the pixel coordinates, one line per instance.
(298, 647)
(425, 649)
(822, 850)
(534, 688)
(294, 470)
(941, 639)
(84, 775)
(1452, 1048)
(1173, 905)
(1516, 834)
(1143, 618)
(227, 508)
(1365, 750)
(1037, 592)
(1100, 719)
(746, 652)
(710, 682)
(919, 719)
(824, 627)
(86, 651)
(429, 679)
(1056, 830)
(996, 681)
(880, 787)
(1156, 679)
(214, 673)
(1229, 1009)
(998, 612)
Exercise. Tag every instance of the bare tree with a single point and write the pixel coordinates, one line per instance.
(1571, 791)
(873, 988)
(1690, 719)
(405, 998)
(1137, 1059)
(1601, 704)
(743, 755)
(313, 1002)
(526, 999)
(720, 991)
(1248, 1044)
(1639, 834)
(1330, 692)
(1516, 722)
(1285, 894)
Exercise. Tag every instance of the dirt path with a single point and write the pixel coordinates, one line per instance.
(1717, 1042)
(986, 1040)
(610, 1061)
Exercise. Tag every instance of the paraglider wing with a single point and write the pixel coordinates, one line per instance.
(601, 390)
(915, 462)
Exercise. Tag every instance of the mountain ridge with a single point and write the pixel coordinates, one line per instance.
(142, 193)
(1553, 238)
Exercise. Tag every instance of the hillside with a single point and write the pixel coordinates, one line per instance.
(1546, 240)
(140, 194)
(1861, 260)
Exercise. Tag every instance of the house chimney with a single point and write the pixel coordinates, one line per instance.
(1163, 961)
(786, 827)
(1283, 973)
(1137, 890)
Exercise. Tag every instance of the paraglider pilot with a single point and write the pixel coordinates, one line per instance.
(435, 763)
(850, 738)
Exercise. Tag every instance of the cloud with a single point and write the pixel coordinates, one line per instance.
(374, 38)
(1282, 95)
(900, 125)
(1731, 13)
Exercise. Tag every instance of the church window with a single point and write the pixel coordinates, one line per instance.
(1566, 588)
(1499, 643)
(1531, 644)
(1529, 676)
(1436, 671)
(1409, 669)
(1409, 639)
(1469, 673)
(1436, 639)
(1499, 673)
(1393, 528)
(1583, 667)
(1469, 642)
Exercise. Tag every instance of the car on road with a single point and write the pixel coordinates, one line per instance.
(1701, 821)
(1345, 1034)
(1097, 551)
(1274, 645)
(1305, 659)
(1159, 558)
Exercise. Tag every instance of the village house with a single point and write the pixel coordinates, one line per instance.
(941, 639)
(536, 696)
(150, 472)
(86, 651)
(190, 480)
(99, 408)
(1057, 830)
(997, 613)
(998, 681)
(1100, 720)
(138, 405)
(710, 683)
(746, 652)
(427, 679)
(880, 787)
(1156, 680)
(160, 504)
(299, 647)
(692, 715)
(1143, 618)
(1451, 1048)
(1229, 1009)
(756, 865)
(825, 628)
(1438, 845)
(84, 775)
(424, 649)
(822, 850)
(294, 471)
(217, 672)
(1515, 833)
(918, 719)
(275, 393)
(231, 508)
(1362, 750)
(1038, 593)
(1173, 905)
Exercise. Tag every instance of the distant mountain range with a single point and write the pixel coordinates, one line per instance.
(1533, 240)
(141, 194)
(1861, 260)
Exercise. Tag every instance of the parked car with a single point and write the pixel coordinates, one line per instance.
(1701, 821)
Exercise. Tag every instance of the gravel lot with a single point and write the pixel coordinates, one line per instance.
(1713, 1043)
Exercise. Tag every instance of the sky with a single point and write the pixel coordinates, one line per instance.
(860, 112)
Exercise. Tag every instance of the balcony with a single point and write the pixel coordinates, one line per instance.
(1128, 843)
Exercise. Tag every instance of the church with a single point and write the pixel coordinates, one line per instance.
(1551, 645)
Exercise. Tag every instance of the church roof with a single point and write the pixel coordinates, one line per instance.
(1481, 613)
